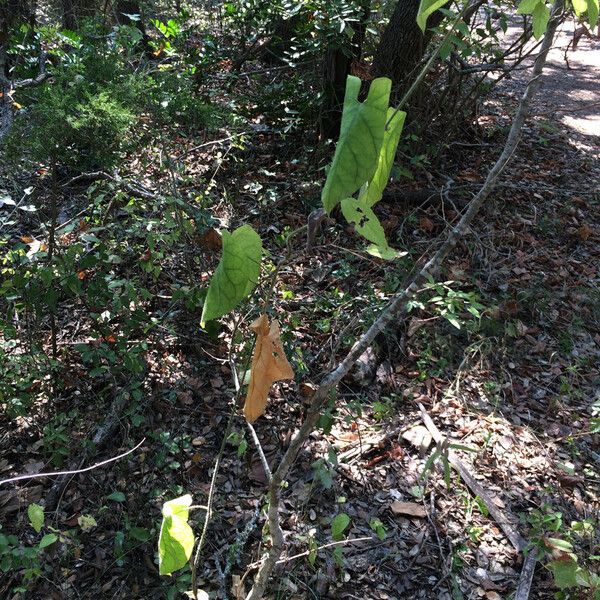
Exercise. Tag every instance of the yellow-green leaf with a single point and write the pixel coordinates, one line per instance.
(365, 221)
(384, 252)
(361, 135)
(36, 516)
(374, 189)
(236, 275)
(338, 526)
(580, 6)
(176, 540)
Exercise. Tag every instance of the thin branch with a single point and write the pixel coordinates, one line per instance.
(74, 472)
(282, 561)
(259, 448)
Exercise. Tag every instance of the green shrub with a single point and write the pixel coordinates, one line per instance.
(80, 119)
(173, 100)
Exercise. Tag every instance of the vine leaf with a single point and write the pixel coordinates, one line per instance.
(338, 526)
(361, 135)
(427, 8)
(269, 364)
(236, 275)
(541, 16)
(391, 136)
(176, 540)
(366, 223)
(592, 12)
(36, 516)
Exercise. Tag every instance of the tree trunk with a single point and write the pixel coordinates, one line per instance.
(336, 68)
(403, 44)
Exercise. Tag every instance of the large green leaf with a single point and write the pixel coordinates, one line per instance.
(361, 135)
(565, 572)
(541, 16)
(592, 11)
(366, 223)
(580, 6)
(176, 540)
(427, 8)
(236, 275)
(526, 7)
(374, 189)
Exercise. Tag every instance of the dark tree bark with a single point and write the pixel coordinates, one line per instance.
(122, 9)
(75, 10)
(403, 44)
(336, 68)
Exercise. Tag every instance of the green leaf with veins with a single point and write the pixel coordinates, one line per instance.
(36, 516)
(361, 136)
(236, 275)
(366, 223)
(541, 16)
(391, 136)
(176, 540)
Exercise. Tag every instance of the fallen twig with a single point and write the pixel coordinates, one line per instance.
(504, 519)
(75, 471)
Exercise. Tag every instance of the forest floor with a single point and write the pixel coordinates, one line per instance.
(519, 386)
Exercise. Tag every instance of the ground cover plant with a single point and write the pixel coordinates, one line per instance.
(299, 300)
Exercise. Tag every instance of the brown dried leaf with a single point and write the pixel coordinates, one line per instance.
(584, 232)
(269, 364)
(409, 509)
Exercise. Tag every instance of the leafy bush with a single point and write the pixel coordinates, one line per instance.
(81, 118)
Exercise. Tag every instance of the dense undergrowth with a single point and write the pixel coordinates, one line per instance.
(118, 173)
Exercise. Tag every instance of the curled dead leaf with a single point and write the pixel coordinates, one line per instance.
(269, 364)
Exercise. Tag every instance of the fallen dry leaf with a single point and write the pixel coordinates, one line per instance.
(409, 509)
(269, 364)
(584, 232)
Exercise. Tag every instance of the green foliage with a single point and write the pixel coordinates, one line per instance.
(339, 525)
(173, 99)
(176, 540)
(450, 303)
(378, 527)
(363, 160)
(236, 275)
(81, 118)
(36, 516)
(426, 9)
(570, 571)
(361, 136)
(373, 190)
